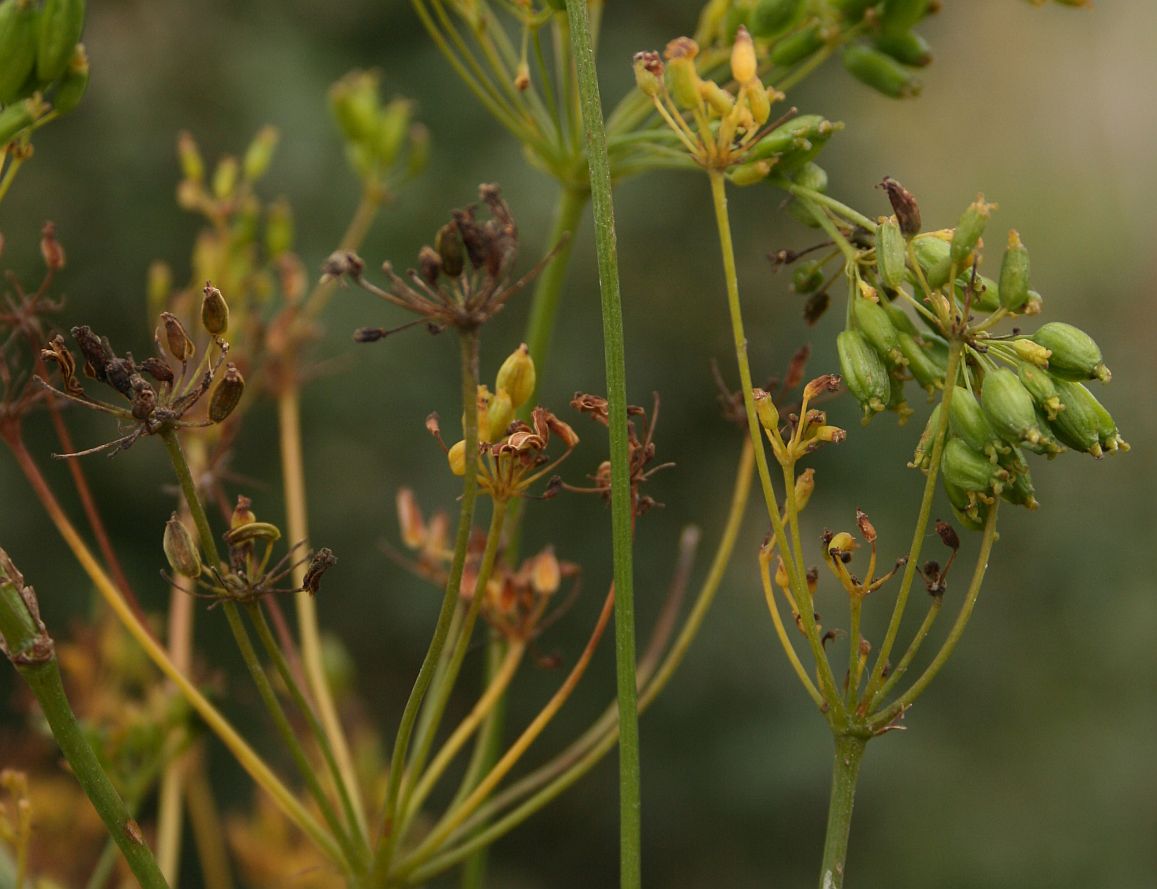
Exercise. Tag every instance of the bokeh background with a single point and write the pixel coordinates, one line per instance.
(1031, 761)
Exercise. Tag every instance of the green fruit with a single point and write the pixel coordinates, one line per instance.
(1085, 424)
(772, 17)
(796, 47)
(906, 47)
(891, 254)
(74, 84)
(1014, 274)
(932, 255)
(880, 71)
(900, 319)
(924, 367)
(1075, 355)
(900, 15)
(969, 470)
(969, 511)
(967, 421)
(1041, 387)
(799, 132)
(1020, 490)
(808, 277)
(968, 231)
(61, 24)
(864, 373)
(17, 49)
(16, 118)
(873, 322)
(1010, 408)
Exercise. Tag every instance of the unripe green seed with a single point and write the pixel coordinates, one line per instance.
(751, 173)
(225, 177)
(932, 255)
(969, 230)
(180, 551)
(808, 277)
(969, 470)
(811, 175)
(74, 83)
(799, 132)
(880, 71)
(227, 395)
(900, 15)
(683, 82)
(18, 41)
(906, 47)
(969, 511)
(967, 421)
(392, 129)
(1085, 424)
(60, 26)
(499, 414)
(1075, 355)
(864, 373)
(1020, 490)
(279, 228)
(772, 17)
(796, 47)
(1041, 387)
(900, 319)
(873, 322)
(1009, 408)
(890, 253)
(259, 154)
(16, 118)
(922, 363)
(354, 100)
(517, 376)
(1014, 274)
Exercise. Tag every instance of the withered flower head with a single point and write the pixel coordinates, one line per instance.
(462, 281)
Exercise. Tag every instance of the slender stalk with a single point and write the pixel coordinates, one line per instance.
(781, 631)
(913, 647)
(914, 691)
(29, 647)
(208, 831)
(388, 834)
(630, 801)
(249, 655)
(845, 771)
(245, 755)
(795, 571)
(871, 695)
(544, 304)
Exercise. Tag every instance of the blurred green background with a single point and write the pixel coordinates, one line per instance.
(1031, 761)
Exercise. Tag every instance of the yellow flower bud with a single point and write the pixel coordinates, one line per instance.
(744, 65)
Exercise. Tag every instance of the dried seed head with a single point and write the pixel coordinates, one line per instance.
(904, 205)
(180, 550)
(649, 73)
(214, 311)
(322, 561)
(158, 369)
(825, 383)
(50, 248)
(517, 376)
(179, 344)
(564, 431)
(867, 529)
(448, 243)
(947, 535)
(227, 394)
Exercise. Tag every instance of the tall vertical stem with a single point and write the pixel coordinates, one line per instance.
(845, 772)
(630, 815)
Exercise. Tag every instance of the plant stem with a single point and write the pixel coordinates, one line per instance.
(29, 647)
(630, 802)
(544, 303)
(245, 755)
(845, 771)
(388, 841)
(795, 571)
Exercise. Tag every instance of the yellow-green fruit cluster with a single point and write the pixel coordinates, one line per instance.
(43, 66)
(513, 388)
(383, 143)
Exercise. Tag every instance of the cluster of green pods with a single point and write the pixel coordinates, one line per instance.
(43, 66)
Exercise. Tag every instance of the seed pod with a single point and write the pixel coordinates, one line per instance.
(968, 231)
(796, 47)
(180, 551)
(906, 47)
(808, 276)
(967, 421)
(970, 470)
(448, 243)
(873, 322)
(772, 17)
(393, 126)
(765, 410)
(1041, 387)
(259, 154)
(864, 373)
(499, 413)
(178, 342)
(900, 15)
(881, 72)
(750, 173)
(811, 175)
(1085, 424)
(1014, 274)
(1020, 490)
(985, 292)
(61, 23)
(1009, 408)
(900, 319)
(354, 101)
(799, 133)
(969, 511)
(890, 254)
(74, 84)
(517, 376)
(18, 40)
(1075, 355)
(682, 78)
(225, 177)
(903, 205)
(214, 311)
(925, 369)
(18, 117)
(932, 253)
(852, 10)
(228, 393)
(456, 457)
(922, 457)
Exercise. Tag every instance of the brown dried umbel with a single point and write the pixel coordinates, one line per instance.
(162, 391)
(640, 451)
(462, 281)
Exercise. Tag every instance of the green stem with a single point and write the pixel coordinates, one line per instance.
(845, 770)
(871, 693)
(827, 680)
(469, 360)
(249, 655)
(30, 648)
(630, 802)
(548, 291)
